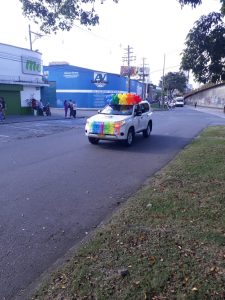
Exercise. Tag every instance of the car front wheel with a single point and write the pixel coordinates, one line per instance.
(147, 131)
(130, 137)
(93, 141)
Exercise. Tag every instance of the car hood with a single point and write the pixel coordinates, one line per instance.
(108, 118)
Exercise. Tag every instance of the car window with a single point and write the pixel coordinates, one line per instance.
(144, 107)
(117, 109)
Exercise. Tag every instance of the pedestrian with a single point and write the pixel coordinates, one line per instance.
(74, 108)
(40, 108)
(3, 107)
(1, 113)
(71, 108)
(66, 105)
(195, 104)
(34, 106)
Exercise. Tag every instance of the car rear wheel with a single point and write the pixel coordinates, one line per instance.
(130, 137)
(93, 141)
(147, 131)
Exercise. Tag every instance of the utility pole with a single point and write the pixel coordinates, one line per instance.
(37, 35)
(30, 38)
(164, 60)
(128, 58)
(143, 77)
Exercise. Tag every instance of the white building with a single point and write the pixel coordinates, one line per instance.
(21, 78)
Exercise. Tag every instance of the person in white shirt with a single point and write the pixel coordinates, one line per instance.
(74, 109)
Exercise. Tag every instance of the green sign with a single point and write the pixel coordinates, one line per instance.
(31, 66)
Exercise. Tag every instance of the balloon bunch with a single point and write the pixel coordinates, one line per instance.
(123, 99)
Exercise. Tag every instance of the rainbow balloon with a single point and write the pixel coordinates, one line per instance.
(123, 99)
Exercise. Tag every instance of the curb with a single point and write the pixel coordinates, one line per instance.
(23, 120)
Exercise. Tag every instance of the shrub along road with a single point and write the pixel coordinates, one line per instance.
(166, 242)
(61, 187)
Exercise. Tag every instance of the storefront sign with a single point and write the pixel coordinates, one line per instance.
(71, 74)
(100, 79)
(31, 65)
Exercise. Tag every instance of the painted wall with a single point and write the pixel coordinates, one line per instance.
(211, 97)
(48, 95)
(28, 93)
(20, 67)
(87, 87)
(19, 64)
(11, 94)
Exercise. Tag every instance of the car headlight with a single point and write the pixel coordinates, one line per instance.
(119, 123)
(88, 123)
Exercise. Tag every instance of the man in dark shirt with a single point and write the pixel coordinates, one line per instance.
(3, 106)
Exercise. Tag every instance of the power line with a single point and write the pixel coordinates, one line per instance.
(160, 70)
(98, 36)
(6, 56)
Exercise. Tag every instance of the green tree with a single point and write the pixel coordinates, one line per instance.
(194, 3)
(174, 81)
(205, 49)
(54, 15)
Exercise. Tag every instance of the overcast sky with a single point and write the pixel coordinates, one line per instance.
(151, 27)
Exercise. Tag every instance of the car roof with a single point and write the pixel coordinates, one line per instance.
(144, 101)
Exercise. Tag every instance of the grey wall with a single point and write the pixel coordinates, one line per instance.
(211, 97)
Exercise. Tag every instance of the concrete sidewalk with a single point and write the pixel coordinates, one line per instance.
(56, 114)
(219, 112)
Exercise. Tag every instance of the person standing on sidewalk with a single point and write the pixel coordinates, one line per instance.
(66, 106)
(34, 105)
(74, 108)
(71, 108)
(1, 112)
(2, 100)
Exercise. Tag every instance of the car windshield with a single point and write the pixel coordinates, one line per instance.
(118, 110)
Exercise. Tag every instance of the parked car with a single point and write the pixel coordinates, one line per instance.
(179, 101)
(118, 122)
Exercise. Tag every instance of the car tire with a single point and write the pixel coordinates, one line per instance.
(93, 141)
(147, 131)
(130, 138)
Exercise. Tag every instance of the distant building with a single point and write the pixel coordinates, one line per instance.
(87, 87)
(20, 78)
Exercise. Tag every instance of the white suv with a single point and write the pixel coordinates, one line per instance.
(179, 101)
(118, 122)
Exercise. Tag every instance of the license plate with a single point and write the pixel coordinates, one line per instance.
(101, 135)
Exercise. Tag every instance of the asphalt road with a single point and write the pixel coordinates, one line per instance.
(56, 187)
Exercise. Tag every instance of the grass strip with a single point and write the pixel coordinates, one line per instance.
(166, 242)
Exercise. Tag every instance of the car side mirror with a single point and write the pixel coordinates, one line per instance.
(99, 111)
